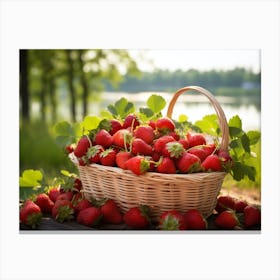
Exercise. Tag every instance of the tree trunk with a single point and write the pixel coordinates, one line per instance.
(43, 94)
(71, 85)
(24, 85)
(53, 99)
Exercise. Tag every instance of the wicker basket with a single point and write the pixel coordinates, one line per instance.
(161, 192)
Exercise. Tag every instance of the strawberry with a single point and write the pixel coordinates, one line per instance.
(145, 132)
(139, 146)
(69, 148)
(173, 150)
(82, 161)
(68, 195)
(122, 138)
(44, 202)
(131, 120)
(77, 185)
(184, 142)
(115, 126)
(166, 165)
(199, 152)
(108, 157)
(209, 148)
(174, 134)
(172, 220)
(212, 163)
(239, 206)
(138, 217)
(195, 220)
(103, 138)
(252, 216)
(93, 153)
(90, 216)
(81, 205)
(165, 124)
(196, 139)
(226, 220)
(122, 157)
(225, 203)
(225, 159)
(152, 124)
(63, 210)
(188, 163)
(82, 146)
(54, 193)
(159, 144)
(30, 214)
(111, 213)
(137, 164)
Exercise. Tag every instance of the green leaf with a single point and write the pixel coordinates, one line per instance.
(245, 143)
(156, 103)
(183, 118)
(90, 122)
(235, 122)
(241, 170)
(253, 136)
(234, 131)
(208, 124)
(147, 112)
(30, 178)
(62, 141)
(121, 108)
(63, 128)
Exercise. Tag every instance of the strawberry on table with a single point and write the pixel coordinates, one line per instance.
(90, 216)
(44, 202)
(227, 220)
(172, 220)
(239, 206)
(81, 205)
(53, 193)
(82, 146)
(166, 165)
(252, 216)
(225, 202)
(108, 157)
(138, 217)
(30, 214)
(103, 138)
(138, 165)
(63, 210)
(195, 220)
(67, 195)
(188, 163)
(139, 146)
(111, 213)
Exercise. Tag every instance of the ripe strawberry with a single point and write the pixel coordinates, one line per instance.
(68, 195)
(212, 163)
(90, 216)
(81, 205)
(69, 148)
(30, 214)
(93, 153)
(225, 203)
(77, 185)
(122, 157)
(145, 132)
(103, 138)
(122, 138)
(172, 220)
(111, 213)
(108, 157)
(252, 216)
(137, 164)
(195, 220)
(140, 147)
(83, 161)
(209, 148)
(63, 210)
(239, 206)
(159, 144)
(138, 217)
(226, 220)
(173, 150)
(225, 159)
(115, 126)
(188, 163)
(184, 142)
(152, 124)
(82, 146)
(174, 134)
(196, 139)
(44, 202)
(131, 120)
(54, 193)
(165, 124)
(199, 152)
(166, 165)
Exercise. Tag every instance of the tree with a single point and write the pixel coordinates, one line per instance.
(24, 84)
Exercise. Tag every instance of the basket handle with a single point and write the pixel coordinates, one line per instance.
(219, 111)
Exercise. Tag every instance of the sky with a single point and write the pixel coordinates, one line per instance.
(197, 59)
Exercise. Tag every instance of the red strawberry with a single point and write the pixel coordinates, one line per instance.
(103, 138)
(122, 138)
(122, 157)
(152, 124)
(131, 120)
(239, 206)
(209, 148)
(165, 124)
(252, 216)
(225, 159)
(174, 134)
(69, 148)
(212, 163)
(159, 144)
(82, 146)
(184, 142)
(172, 220)
(225, 203)
(54, 193)
(139, 146)
(111, 213)
(65, 196)
(63, 210)
(137, 164)
(115, 126)
(226, 220)
(188, 163)
(81, 205)
(108, 157)
(30, 214)
(138, 217)
(196, 139)
(93, 153)
(83, 161)
(90, 216)
(77, 185)
(195, 220)
(173, 150)
(199, 152)
(166, 165)
(145, 132)
(44, 202)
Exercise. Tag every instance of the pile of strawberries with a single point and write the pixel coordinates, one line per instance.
(153, 146)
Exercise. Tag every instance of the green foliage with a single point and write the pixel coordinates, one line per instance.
(121, 108)
(156, 103)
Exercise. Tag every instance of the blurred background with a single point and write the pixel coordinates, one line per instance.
(69, 84)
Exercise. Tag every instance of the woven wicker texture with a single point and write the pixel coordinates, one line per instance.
(162, 192)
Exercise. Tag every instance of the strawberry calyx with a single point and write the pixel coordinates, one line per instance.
(65, 213)
(175, 149)
(34, 220)
(146, 212)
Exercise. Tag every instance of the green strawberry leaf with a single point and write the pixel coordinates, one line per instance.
(90, 122)
(235, 126)
(183, 118)
(240, 170)
(208, 124)
(30, 178)
(147, 112)
(156, 103)
(245, 142)
(253, 136)
(121, 108)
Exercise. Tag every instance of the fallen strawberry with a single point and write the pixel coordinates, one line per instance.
(172, 220)
(68, 195)
(239, 206)
(227, 220)
(225, 202)
(90, 216)
(63, 210)
(111, 213)
(138, 217)
(54, 193)
(252, 216)
(194, 220)
(30, 214)
(44, 202)
(81, 205)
